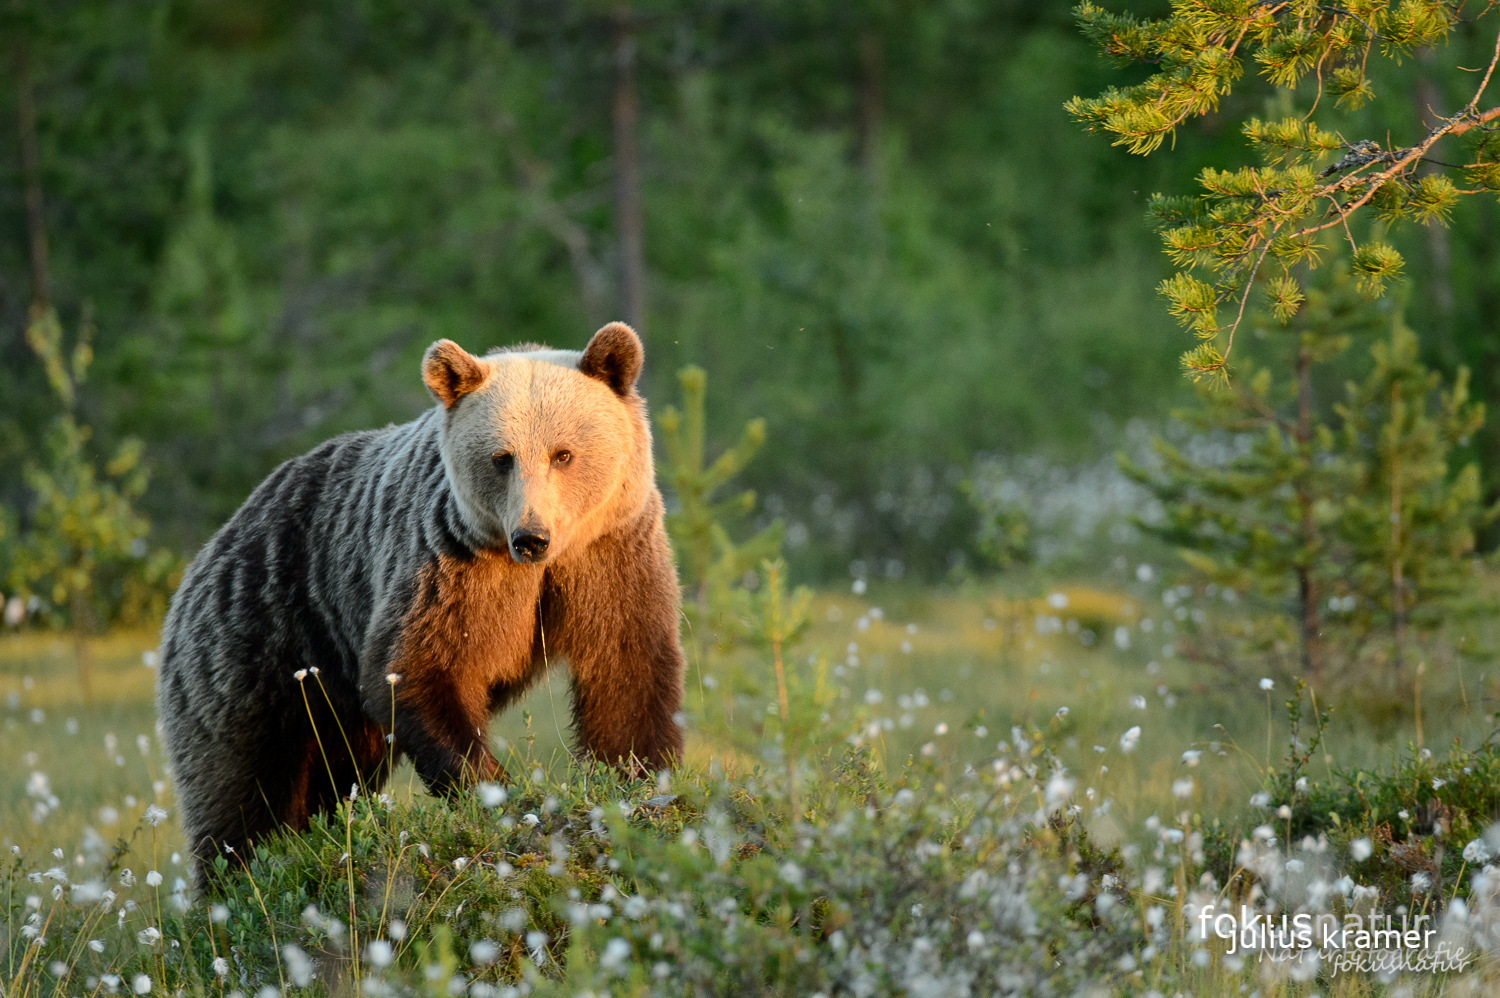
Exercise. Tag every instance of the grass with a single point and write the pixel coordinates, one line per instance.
(928, 731)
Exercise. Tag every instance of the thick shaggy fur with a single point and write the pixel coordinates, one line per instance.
(401, 552)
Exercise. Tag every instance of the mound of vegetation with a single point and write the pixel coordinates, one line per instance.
(881, 887)
(1418, 834)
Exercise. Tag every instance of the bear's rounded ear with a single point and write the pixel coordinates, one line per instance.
(614, 356)
(450, 372)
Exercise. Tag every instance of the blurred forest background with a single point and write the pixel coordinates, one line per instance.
(871, 223)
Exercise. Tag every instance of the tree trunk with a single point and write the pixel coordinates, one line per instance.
(1398, 597)
(628, 219)
(31, 172)
(1307, 587)
(871, 99)
(1440, 258)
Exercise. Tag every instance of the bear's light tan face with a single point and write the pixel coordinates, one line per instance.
(544, 458)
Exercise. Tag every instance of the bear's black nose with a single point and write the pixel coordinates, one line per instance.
(529, 545)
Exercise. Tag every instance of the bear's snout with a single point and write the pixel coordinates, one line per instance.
(529, 544)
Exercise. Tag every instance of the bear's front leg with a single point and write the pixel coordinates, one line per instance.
(613, 613)
(416, 678)
(441, 726)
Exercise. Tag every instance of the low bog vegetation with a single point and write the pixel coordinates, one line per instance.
(924, 854)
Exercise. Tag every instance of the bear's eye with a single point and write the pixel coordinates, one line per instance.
(504, 463)
(562, 457)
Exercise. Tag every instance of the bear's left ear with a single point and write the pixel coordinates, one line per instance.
(614, 356)
(450, 372)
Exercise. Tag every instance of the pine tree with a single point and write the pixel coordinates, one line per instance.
(1344, 524)
(1264, 221)
(711, 564)
(1259, 522)
(1409, 522)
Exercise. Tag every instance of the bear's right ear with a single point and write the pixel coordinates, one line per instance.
(450, 372)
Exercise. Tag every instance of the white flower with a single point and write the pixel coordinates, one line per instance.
(393, 678)
(1360, 850)
(149, 936)
(155, 815)
(1059, 789)
(380, 954)
(300, 675)
(1476, 852)
(1191, 757)
(1267, 684)
(615, 956)
(141, 985)
(221, 967)
(153, 879)
(1129, 739)
(298, 964)
(530, 819)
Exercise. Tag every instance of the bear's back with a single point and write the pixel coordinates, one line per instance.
(292, 578)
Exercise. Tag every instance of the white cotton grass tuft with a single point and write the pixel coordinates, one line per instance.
(1268, 684)
(491, 794)
(393, 678)
(379, 954)
(155, 815)
(298, 964)
(1360, 850)
(221, 967)
(141, 985)
(1130, 739)
(153, 879)
(616, 956)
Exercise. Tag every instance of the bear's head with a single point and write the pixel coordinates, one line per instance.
(545, 450)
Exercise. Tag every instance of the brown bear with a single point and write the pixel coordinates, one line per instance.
(429, 572)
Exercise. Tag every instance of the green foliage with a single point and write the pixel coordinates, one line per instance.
(712, 565)
(1344, 523)
(859, 217)
(1313, 178)
(82, 545)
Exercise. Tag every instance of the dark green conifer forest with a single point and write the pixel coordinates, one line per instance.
(871, 223)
